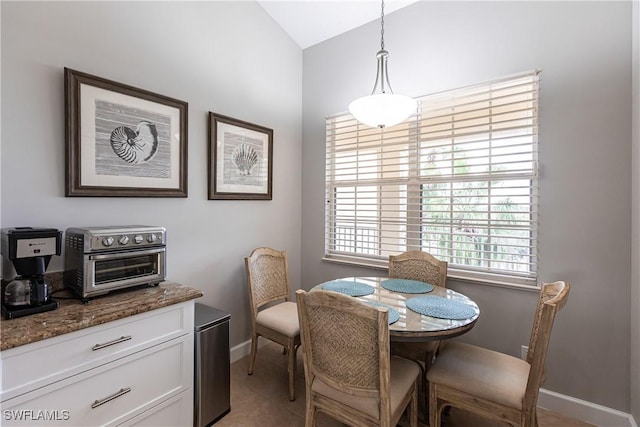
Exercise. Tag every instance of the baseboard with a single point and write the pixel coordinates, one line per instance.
(241, 350)
(588, 412)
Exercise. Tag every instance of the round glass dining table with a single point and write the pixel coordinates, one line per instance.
(411, 325)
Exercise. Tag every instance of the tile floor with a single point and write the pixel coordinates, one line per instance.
(261, 400)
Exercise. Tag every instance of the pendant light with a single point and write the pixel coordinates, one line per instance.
(383, 107)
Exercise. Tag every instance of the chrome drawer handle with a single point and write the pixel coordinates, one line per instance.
(107, 344)
(110, 398)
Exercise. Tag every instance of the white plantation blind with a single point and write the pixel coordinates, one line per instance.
(458, 179)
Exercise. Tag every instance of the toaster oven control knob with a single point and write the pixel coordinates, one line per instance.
(151, 238)
(138, 238)
(123, 240)
(107, 241)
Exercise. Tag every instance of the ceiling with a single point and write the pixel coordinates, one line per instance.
(309, 22)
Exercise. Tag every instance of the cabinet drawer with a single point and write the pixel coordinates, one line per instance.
(175, 412)
(109, 394)
(41, 363)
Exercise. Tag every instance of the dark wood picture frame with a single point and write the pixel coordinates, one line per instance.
(240, 159)
(123, 141)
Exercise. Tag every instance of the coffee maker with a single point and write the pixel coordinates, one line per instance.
(29, 249)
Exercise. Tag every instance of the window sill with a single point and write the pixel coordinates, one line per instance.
(501, 282)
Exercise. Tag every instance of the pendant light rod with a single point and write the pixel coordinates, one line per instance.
(382, 73)
(382, 26)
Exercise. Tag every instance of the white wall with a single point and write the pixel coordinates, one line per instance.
(583, 50)
(226, 57)
(635, 215)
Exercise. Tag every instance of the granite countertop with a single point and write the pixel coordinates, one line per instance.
(73, 315)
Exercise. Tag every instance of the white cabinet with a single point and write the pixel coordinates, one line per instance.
(137, 370)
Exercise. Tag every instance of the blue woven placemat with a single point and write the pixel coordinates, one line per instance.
(354, 289)
(406, 286)
(439, 307)
(394, 316)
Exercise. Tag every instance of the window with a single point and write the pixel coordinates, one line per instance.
(458, 180)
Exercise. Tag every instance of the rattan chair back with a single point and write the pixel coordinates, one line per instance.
(344, 341)
(418, 265)
(267, 276)
(553, 297)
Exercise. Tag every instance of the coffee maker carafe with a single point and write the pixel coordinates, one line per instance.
(29, 249)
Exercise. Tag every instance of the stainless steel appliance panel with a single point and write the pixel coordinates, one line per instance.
(212, 395)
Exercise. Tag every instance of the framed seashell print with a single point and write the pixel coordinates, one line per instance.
(240, 159)
(122, 141)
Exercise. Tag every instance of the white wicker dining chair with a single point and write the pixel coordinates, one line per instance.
(349, 373)
(424, 267)
(494, 384)
(273, 315)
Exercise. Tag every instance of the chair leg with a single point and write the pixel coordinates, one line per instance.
(310, 414)
(529, 419)
(254, 350)
(434, 410)
(428, 361)
(413, 408)
(291, 367)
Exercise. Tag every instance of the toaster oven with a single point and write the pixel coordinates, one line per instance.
(99, 260)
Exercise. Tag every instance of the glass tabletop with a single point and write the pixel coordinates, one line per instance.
(413, 326)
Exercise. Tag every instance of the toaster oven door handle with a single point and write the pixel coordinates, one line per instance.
(110, 343)
(115, 395)
(123, 254)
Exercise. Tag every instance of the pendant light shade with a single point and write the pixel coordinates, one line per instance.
(382, 108)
